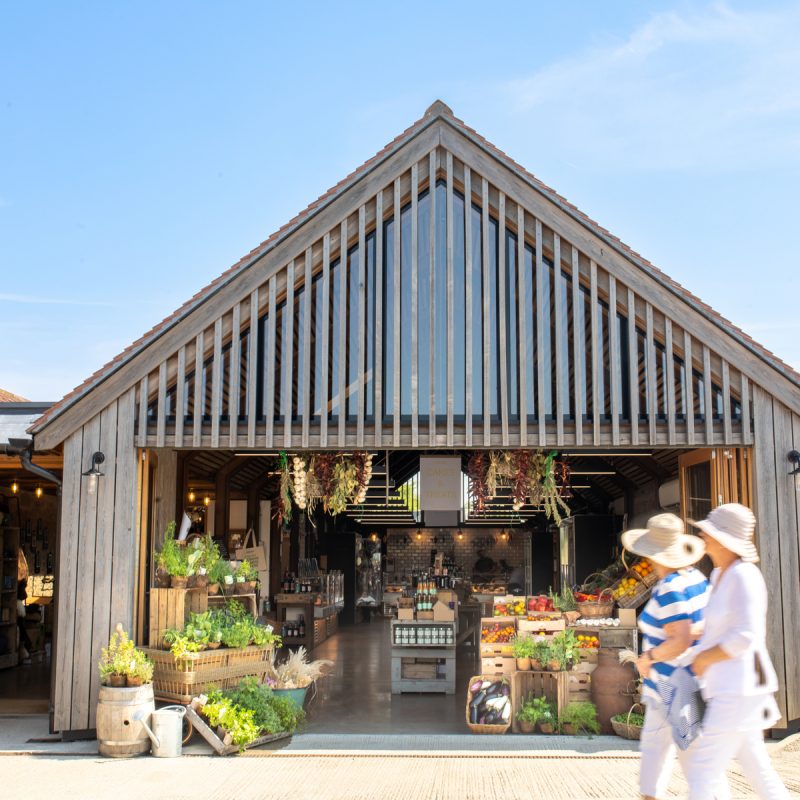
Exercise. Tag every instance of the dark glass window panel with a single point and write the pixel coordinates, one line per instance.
(299, 361)
(565, 338)
(584, 323)
(440, 321)
(494, 323)
(623, 377)
(280, 366)
(512, 333)
(529, 328)
(244, 351)
(644, 389)
(424, 339)
(458, 319)
(389, 320)
(317, 333)
(352, 338)
(369, 374)
(334, 338)
(477, 315)
(602, 354)
(405, 312)
(679, 377)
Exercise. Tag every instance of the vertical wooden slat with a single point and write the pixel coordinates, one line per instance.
(559, 315)
(344, 283)
(614, 358)
(487, 409)
(501, 316)
(709, 400)
(468, 299)
(252, 369)
(415, 305)
(197, 414)
(161, 419)
(308, 367)
(577, 346)
(397, 311)
(747, 437)
(326, 315)
(726, 402)
(216, 383)
(432, 304)
(67, 569)
(652, 385)
(522, 314)
(540, 355)
(141, 438)
(596, 354)
(362, 321)
(669, 382)
(234, 382)
(689, 379)
(287, 357)
(378, 318)
(450, 224)
(270, 363)
(180, 403)
(633, 367)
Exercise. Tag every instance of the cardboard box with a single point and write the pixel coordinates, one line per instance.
(447, 596)
(443, 613)
(405, 614)
(627, 617)
(425, 615)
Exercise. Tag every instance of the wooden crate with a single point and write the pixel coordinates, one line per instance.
(498, 665)
(170, 608)
(496, 648)
(552, 685)
(547, 626)
(419, 669)
(580, 685)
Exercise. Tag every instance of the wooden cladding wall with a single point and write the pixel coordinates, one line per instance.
(442, 313)
(96, 564)
(777, 508)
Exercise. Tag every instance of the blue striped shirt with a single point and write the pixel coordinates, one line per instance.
(681, 595)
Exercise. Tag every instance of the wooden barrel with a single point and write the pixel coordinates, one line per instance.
(119, 733)
(611, 687)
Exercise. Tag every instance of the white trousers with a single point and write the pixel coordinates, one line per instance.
(658, 753)
(721, 742)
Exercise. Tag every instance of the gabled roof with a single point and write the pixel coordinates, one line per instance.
(10, 397)
(439, 113)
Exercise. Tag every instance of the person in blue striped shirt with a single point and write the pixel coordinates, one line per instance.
(670, 623)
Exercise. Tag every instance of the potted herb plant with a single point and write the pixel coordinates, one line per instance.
(246, 576)
(165, 557)
(122, 664)
(523, 649)
(579, 718)
(540, 654)
(217, 574)
(142, 670)
(527, 716)
(545, 714)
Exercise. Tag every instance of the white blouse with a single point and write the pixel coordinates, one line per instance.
(736, 620)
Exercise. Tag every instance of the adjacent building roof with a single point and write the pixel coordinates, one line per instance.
(438, 111)
(10, 397)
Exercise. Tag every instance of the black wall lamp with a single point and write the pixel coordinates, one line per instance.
(94, 473)
(794, 457)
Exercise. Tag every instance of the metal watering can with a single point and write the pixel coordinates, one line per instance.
(166, 733)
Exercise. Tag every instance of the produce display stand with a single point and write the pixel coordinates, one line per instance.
(424, 667)
(552, 685)
(179, 680)
(223, 746)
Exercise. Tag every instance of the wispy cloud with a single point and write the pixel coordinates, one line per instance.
(50, 301)
(716, 88)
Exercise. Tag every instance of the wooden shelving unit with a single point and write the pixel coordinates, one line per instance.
(9, 545)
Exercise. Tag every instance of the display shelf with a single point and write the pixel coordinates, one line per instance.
(423, 633)
(9, 547)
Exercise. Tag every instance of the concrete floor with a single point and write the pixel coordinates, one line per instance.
(25, 689)
(356, 698)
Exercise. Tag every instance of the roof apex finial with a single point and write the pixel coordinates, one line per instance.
(438, 108)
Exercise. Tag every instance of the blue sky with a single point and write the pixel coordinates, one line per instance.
(147, 146)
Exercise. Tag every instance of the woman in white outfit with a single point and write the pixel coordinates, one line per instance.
(669, 624)
(738, 680)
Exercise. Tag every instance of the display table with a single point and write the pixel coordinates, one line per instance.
(320, 621)
(423, 656)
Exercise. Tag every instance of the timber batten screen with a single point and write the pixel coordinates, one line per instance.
(469, 321)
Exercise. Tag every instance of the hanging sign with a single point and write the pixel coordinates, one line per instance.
(440, 483)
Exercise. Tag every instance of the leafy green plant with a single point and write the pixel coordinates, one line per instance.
(183, 645)
(634, 718)
(581, 716)
(541, 651)
(246, 571)
(565, 601)
(564, 647)
(122, 657)
(523, 646)
(536, 709)
(219, 570)
(238, 634)
(272, 714)
(238, 722)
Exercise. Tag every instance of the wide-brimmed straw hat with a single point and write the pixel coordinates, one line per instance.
(665, 542)
(733, 526)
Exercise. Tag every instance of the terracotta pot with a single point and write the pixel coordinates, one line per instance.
(536, 664)
(131, 681)
(545, 727)
(554, 666)
(200, 581)
(526, 727)
(214, 645)
(213, 588)
(161, 580)
(569, 729)
(523, 664)
(179, 582)
(117, 681)
(609, 687)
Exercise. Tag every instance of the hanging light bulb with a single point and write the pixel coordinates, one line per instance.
(374, 537)
(419, 537)
(39, 492)
(192, 496)
(206, 501)
(14, 487)
(460, 536)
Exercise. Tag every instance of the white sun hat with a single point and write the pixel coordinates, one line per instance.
(733, 526)
(665, 542)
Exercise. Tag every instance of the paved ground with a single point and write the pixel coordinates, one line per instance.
(603, 767)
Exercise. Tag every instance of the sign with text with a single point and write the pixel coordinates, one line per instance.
(439, 483)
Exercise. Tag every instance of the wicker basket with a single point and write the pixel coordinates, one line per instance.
(599, 608)
(625, 729)
(179, 680)
(477, 727)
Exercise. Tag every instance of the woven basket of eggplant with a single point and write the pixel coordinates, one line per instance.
(488, 704)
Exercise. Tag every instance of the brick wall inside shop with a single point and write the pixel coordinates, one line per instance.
(411, 555)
